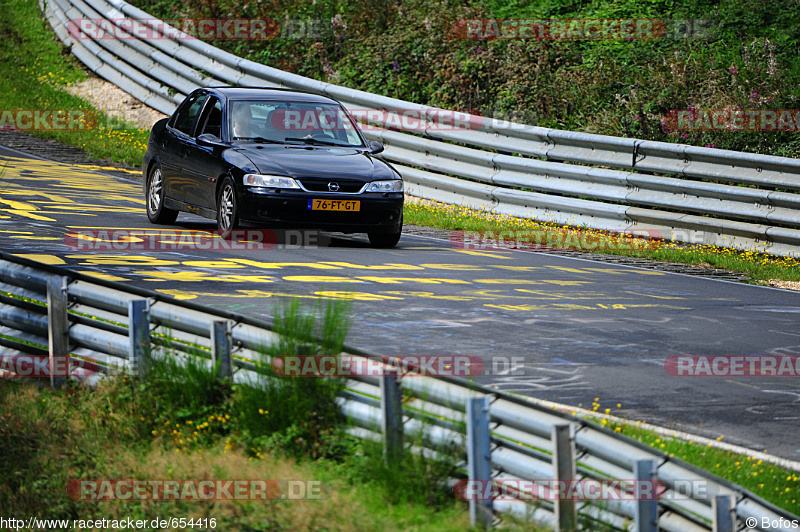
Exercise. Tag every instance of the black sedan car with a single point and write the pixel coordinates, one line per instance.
(271, 157)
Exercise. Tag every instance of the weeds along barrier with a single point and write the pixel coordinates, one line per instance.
(680, 192)
(105, 328)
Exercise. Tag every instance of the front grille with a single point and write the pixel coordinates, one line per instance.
(345, 187)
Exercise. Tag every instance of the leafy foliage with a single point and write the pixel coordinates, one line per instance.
(735, 54)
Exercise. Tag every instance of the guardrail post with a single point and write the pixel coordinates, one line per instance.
(57, 330)
(221, 348)
(139, 335)
(644, 471)
(479, 461)
(564, 471)
(392, 418)
(723, 508)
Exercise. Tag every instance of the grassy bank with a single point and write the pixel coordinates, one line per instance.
(774, 483)
(52, 438)
(760, 267)
(37, 67)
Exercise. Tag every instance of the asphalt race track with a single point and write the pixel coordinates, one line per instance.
(575, 330)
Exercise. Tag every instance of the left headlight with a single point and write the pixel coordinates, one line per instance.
(395, 185)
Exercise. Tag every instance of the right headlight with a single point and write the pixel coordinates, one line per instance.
(269, 181)
(394, 185)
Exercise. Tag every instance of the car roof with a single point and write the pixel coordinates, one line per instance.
(268, 93)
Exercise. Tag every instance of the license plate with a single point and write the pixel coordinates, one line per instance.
(334, 205)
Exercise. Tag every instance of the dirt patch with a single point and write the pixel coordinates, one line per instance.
(115, 102)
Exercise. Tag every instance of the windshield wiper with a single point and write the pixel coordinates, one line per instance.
(309, 140)
(260, 139)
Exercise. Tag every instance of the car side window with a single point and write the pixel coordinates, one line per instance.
(212, 118)
(186, 118)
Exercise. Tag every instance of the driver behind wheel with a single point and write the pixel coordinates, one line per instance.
(242, 118)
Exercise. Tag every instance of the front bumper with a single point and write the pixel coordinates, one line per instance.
(379, 212)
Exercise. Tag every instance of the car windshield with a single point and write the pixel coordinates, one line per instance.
(300, 123)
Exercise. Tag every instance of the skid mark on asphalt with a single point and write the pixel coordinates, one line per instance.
(538, 378)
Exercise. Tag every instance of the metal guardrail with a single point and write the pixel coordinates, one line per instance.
(110, 328)
(685, 193)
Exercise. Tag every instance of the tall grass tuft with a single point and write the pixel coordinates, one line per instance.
(297, 414)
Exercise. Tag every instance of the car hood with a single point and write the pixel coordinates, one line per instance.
(317, 162)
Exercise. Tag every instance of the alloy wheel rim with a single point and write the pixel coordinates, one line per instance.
(226, 206)
(155, 191)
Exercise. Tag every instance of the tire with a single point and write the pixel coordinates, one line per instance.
(227, 208)
(154, 197)
(386, 240)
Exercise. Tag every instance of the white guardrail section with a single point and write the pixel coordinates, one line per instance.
(107, 328)
(684, 193)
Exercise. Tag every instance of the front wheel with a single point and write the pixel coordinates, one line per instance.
(157, 213)
(386, 240)
(227, 208)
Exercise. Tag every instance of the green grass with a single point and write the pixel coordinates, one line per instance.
(37, 67)
(302, 411)
(760, 267)
(774, 483)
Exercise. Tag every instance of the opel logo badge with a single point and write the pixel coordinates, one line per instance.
(333, 186)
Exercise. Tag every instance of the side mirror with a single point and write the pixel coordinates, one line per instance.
(211, 141)
(375, 146)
